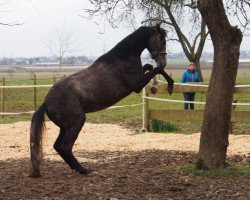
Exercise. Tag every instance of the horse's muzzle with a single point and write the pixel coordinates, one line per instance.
(161, 63)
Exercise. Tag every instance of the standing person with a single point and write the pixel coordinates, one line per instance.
(189, 75)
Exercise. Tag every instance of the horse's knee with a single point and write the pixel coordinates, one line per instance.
(62, 150)
(147, 67)
(58, 148)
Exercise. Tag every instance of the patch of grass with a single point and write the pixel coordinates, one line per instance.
(15, 118)
(21, 100)
(230, 171)
(130, 117)
(163, 126)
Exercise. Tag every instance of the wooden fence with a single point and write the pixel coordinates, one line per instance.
(34, 86)
(3, 87)
(187, 115)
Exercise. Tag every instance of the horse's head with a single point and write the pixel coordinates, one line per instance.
(157, 46)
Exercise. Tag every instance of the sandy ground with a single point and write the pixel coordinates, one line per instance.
(108, 137)
(125, 165)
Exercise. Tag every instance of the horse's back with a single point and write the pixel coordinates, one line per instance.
(92, 89)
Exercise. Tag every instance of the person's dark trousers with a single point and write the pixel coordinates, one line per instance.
(189, 97)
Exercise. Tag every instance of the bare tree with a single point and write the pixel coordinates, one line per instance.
(226, 41)
(4, 9)
(61, 44)
(173, 14)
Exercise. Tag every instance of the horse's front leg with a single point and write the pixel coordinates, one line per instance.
(170, 81)
(147, 67)
(139, 81)
(170, 86)
(154, 85)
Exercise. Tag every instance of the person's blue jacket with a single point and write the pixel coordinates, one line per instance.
(189, 76)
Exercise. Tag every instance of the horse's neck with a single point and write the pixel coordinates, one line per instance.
(127, 51)
(130, 48)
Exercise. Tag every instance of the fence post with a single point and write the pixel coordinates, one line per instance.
(2, 96)
(145, 110)
(34, 83)
(54, 79)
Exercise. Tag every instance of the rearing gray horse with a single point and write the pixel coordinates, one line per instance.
(109, 79)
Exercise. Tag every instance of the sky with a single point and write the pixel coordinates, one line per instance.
(40, 18)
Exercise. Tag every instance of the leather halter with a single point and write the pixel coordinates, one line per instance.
(159, 52)
(162, 52)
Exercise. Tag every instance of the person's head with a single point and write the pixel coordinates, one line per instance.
(191, 66)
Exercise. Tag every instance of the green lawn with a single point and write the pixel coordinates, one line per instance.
(17, 100)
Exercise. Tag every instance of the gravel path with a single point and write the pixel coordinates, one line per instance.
(107, 137)
(125, 166)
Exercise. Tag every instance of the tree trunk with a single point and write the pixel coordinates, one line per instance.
(198, 69)
(59, 68)
(215, 128)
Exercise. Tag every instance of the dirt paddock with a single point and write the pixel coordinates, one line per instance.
(125, 166)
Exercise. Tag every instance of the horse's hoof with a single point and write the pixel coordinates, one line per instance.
(84, 171)
(170, 89)
(153, 89)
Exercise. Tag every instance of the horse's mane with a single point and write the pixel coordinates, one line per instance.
(133, 43)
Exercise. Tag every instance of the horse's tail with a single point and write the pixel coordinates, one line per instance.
(36, 132)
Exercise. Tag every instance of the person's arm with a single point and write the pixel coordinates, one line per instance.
(183, 79)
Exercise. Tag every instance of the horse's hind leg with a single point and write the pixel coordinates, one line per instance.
(64, 145)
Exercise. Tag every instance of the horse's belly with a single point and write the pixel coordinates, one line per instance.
(87, 93)
(103, 100)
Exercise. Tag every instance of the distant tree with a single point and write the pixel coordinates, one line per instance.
(62, 43)
(82, 59)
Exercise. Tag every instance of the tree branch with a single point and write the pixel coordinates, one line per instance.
(158, 20)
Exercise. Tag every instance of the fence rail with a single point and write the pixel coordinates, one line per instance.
(187, 115)
(34, 86)
(201, 87)
(3, 88)
(149, 114)
(193, 115)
